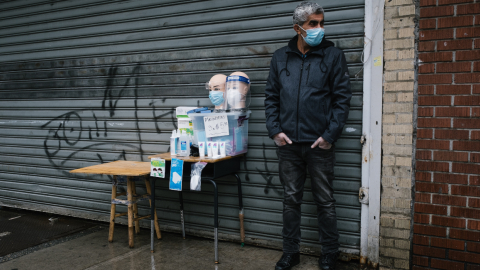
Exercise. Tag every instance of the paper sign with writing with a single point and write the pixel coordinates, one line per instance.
(157, 167)
(216, 125)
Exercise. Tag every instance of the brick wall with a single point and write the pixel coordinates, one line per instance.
(447, 182)
(398, 96)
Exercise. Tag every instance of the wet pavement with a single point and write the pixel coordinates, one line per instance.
(93, 251)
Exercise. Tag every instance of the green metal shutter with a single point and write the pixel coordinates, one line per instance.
(85, 82)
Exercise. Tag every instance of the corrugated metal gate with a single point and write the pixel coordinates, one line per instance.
(84, 82)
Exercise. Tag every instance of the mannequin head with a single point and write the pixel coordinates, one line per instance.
(217, 84)
(237, 91)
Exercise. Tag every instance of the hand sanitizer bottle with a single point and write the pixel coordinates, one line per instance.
(184, 144)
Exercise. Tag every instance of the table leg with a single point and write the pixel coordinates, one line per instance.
(215, 221)
(130, 211)
(112, 213)
(240, 212)
(152, 214)
(180, 195)
(135, 209)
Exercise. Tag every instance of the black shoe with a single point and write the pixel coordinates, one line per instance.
(288, 261)
(328, 261)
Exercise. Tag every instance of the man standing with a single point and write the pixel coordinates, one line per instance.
(306, 106)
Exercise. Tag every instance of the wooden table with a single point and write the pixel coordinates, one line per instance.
(215, 168)
(124, 168)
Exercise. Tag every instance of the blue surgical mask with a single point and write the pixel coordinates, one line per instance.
(314, 36)
(216, 97)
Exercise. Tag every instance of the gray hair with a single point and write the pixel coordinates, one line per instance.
(305, 9)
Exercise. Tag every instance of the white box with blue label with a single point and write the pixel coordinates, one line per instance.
(236, 142)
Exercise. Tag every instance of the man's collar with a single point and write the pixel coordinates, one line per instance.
(292, 46)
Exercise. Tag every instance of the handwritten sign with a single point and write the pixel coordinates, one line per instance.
(216, 125)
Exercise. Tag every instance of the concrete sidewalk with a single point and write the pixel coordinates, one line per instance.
(93, 251)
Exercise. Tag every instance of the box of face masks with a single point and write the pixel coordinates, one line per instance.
(236, 142)
(183, 121)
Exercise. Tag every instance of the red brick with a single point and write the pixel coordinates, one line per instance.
(475, 157)
(426, 90)
(477, 20)
(466, 101)
(448, 2)
(455, 21)
(451, 134)
(425, 155)
(422, 197)
(467, 55)
(436, 101)
(452, 111)
(425, 112)
(433, 144)
(465, 212)
(473, 267)
(429, 230)
(421, 240)
(465, 235)
(454, 67)
(475, 180)
(466, 168)
(443, 264)
(450, 178)
(476, 65)
(429, 251)
(436, 34)
(436, 57)
(426, 68)
(426, 46)
(428, 24)
(433, 166)
(466, 78)
(466, 145)
(436, 12)
(453, 45)
(425, 133)
(419, 268)
(468, 9)
(473, 202)
(417, 260)
(435, 122)
(466, 190)
(434, 79)
(450, 156)
(464, 256)
(467, 32)
(423, 176)
(473, 247)
(431, 187)
(475, 135)
(453, 89)
(449, 222)
(418, 218)
(477, 41)
(449, 200)
(466, 123)
(430, 209)
(424, 3)
(448, 243)
(476, 88)
(473, 225)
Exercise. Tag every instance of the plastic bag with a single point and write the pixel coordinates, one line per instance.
(196, 176)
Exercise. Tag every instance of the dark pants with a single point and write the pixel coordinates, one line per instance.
(294, 160)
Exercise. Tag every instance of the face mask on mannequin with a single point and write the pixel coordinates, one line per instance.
(216, 97)
(234, 96)
(314, 36)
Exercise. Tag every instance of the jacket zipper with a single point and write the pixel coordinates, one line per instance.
(298, 94)
(308, 73)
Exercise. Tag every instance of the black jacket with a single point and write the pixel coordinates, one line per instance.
(308, 96)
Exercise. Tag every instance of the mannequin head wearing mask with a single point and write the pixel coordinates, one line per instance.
(217, 96)
(238, 87)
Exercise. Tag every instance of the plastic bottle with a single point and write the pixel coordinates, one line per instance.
(173, 143)
(184, 144)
